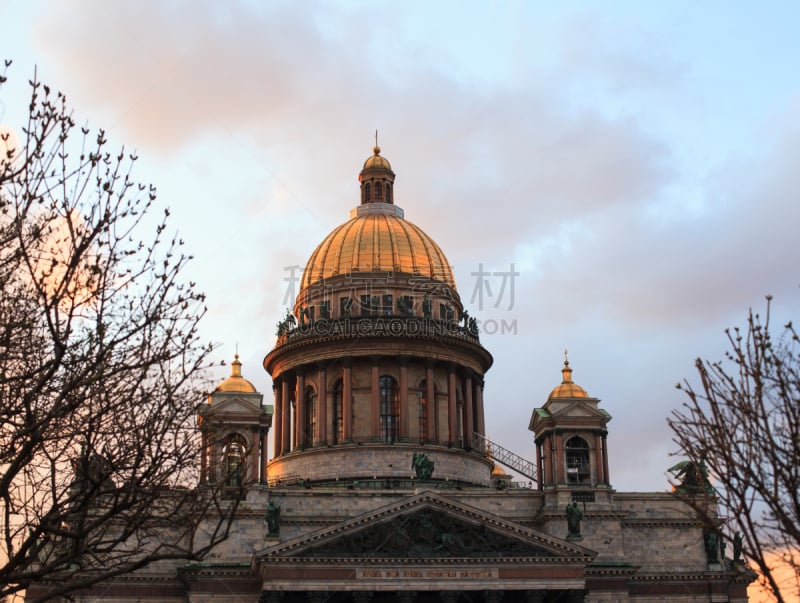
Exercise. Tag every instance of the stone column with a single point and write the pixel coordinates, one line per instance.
(430, 400)
(204, 456)
(254, 471)
(277, 437)
(539, 467)
(263, 478)
(598, 458)
(375, 399)
(480, 425)
(605, 460)
(347, 401)
(300, 416)
(403, 399)
(469, 423)
(322, 405)
(286, 418)
(560, 459)
(452, 414)
(548, 459)
(300, 412)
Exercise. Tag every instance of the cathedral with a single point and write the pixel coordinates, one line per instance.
(381, 484)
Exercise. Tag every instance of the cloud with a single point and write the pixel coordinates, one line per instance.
(559, 154)
(278, 78)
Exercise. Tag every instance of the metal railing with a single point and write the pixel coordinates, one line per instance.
(504, 456)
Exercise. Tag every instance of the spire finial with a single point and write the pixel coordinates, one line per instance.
(236, 366)
(566, 372)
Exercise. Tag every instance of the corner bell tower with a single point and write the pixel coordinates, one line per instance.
(571, 446)
(234, 426)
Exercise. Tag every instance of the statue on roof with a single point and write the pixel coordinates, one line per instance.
(273, 519)
(422, 465)
(693, 477)
(574, 517)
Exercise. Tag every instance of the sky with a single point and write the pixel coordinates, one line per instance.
(617, 179)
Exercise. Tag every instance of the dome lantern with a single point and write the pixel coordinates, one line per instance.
(377, 179)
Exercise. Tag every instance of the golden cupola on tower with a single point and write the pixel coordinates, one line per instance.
(235, 382)
(567, 388)
(378, 359)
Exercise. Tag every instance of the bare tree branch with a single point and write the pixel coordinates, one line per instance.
(743, 422)
(100, 367)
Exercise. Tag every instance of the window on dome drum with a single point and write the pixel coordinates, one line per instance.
(388, 193)
(310, 401)
(427, 308)
(423, 412)
(390, 409)
(446, 312)
(577, 456)
(366, 306)
(387, 305)
(325, 309)
(233, 464)
(367, 198)
(338, 423)
(405, 305)
(378, 192)
(345, 305)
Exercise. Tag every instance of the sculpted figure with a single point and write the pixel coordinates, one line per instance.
(574, 517)
(273, 519)
(422, 465)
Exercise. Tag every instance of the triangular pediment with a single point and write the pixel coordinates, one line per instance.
(578, 410)
(428, 526)
(233, 405)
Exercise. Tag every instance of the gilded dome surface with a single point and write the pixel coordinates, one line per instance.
(236, 383)
(380, 242)
(568, 388)
(377, 161)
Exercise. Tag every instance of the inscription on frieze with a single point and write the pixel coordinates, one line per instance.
(431, 574)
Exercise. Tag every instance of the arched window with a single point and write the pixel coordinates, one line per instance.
(577, 453)
(310, 400)
(388, 193)
(390, 409)
(338, 423)
(367, 198)
(378, 192)
(423, 411)
(233, 460)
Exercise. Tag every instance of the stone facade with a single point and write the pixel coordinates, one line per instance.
(381, 484)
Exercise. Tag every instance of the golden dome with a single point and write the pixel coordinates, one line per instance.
(378, 242)
(568, 389)
(376, 161)
(236, 383)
